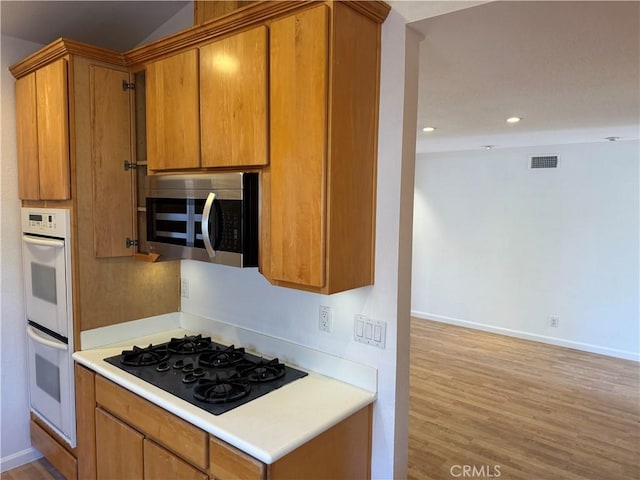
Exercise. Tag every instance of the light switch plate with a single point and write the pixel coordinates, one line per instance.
(369, 331)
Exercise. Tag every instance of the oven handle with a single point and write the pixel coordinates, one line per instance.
(45, 242)
(49, 343)
(204, 226)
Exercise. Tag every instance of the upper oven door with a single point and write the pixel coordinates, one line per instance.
(45, 282)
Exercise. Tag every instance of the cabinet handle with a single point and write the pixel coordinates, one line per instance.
(204, 226)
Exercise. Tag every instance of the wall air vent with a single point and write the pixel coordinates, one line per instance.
(544, 161)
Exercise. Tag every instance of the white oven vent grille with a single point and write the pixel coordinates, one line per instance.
(544, 161)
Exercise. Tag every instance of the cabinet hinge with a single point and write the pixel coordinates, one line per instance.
(128, 86)
(131, 243)
(128, 165)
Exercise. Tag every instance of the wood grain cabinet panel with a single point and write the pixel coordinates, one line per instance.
(53, 131)
(160, 463)
(172, 101)
(27, 138)
(318, 219)
(205, 10)
(298, 114)
(42, 124)
(233, 100)
(229, 463)
(110, 148)
(63, 460)
(119, 451)
(129, 434)
(181, 437)
(85, 422)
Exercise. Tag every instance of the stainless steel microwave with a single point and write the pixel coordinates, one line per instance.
(208, 217)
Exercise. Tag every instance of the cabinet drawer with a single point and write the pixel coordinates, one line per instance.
(229, 463)
(168, 430)
(159, 463)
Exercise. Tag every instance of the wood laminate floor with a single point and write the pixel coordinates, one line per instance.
(39, 469)
(513, 409)
(516, 409)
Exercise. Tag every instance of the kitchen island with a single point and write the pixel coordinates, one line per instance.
(313, 427)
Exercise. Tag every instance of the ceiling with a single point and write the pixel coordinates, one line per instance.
(569, 69)
(117, 25)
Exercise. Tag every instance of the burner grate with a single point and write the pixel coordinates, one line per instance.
(220, 389)
(150, 355)
(221, 357)
(190, 344)
(262, 370)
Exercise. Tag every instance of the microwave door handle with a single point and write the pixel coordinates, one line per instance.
(204, 227)
(49, 343)
(45, 242)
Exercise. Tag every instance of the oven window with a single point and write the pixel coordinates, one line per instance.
(48, 377)
(43, 282)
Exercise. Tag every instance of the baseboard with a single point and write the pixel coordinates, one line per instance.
(18, 459)
(560, 342)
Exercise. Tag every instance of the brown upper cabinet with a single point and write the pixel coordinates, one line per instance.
(207, 107)
(173, 133)
(318, 219)
(42, 124)
(289, 88)
(233, 100)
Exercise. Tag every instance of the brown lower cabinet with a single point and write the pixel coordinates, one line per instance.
(121, 435)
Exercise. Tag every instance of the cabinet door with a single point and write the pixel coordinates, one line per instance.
(298, 113)
(119, 451)
(233, 100)
(53, 131)
(27, 135)
(160, 463)
(110, 147)
(173, 133)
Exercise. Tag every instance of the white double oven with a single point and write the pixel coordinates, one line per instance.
(46, 253)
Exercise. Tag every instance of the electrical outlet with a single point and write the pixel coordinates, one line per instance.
(324, 319)
(554, 321)
(184, 288)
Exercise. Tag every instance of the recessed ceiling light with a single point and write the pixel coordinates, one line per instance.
(612, 139)
(513, 119)
(428, 129)
(488, 147)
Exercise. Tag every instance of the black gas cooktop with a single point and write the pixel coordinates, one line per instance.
(209, 375)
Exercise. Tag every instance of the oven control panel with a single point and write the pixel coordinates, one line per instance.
(52, 222)
(42, 221)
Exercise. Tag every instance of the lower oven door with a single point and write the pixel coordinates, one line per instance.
(51, 383)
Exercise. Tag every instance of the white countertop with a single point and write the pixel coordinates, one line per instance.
(266, 428)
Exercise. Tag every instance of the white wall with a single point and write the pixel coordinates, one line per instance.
(181, 20)
(246, 299)
(500, 247)
(15, 447)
